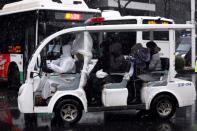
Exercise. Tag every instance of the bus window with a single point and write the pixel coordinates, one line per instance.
(161, 35)
(116, 22)
(157, 35)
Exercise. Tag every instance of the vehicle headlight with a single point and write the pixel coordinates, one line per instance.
(176, 53)
(183, 55)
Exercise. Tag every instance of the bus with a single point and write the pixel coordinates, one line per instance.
(26, 23)
(161, 38)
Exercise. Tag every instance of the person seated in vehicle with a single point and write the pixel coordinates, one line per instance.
(111, 61)
(141, 56)
(118, 62)
(65, 64)
(155, 61)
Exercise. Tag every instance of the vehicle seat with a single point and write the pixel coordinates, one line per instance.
(116, 94)
(41, 83)
(69, 82)
(61, 83)
(164, 63)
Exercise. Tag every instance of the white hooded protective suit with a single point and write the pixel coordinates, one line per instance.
(66, 63)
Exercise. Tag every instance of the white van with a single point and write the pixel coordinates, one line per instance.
(159, 92)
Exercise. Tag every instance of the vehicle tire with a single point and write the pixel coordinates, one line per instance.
(68, 111)
(163, 107)
(14, 77)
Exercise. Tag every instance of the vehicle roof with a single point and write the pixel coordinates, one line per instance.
(115, 15)
(138, 17)
(29, 5)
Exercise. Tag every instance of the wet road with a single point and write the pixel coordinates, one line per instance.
(12, 120)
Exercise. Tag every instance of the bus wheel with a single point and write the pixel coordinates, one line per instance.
(163, 107)
(13, 77)
(69, 111)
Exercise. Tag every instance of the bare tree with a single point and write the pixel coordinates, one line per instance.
(2, 3)
(167, 8)
(122, 8)
(92, 3)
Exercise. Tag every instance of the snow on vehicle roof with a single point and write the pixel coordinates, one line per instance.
(28, 5)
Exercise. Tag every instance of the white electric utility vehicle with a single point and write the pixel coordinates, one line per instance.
(160, 37)
(68, 94)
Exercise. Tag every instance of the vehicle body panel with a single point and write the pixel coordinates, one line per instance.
(184, 91)
(79, 93)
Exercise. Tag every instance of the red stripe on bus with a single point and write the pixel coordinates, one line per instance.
(4, 64)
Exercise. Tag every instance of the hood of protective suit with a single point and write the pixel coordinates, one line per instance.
(83, 44)
(66, 50)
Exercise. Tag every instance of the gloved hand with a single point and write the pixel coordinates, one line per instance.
(101, 74)
(49, 65)
(129, 58)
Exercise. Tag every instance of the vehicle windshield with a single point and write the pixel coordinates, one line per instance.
(185, 45)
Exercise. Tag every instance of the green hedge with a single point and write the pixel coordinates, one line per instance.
(179, 63)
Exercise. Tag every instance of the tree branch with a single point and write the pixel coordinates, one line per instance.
(128, 2)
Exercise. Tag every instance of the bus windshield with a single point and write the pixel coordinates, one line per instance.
(53, 21)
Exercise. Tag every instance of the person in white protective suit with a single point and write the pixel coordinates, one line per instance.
(65, 64)
(82, 49)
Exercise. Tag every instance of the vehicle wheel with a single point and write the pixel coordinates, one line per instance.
(13, 77)
(69, 111)
(163, 107)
